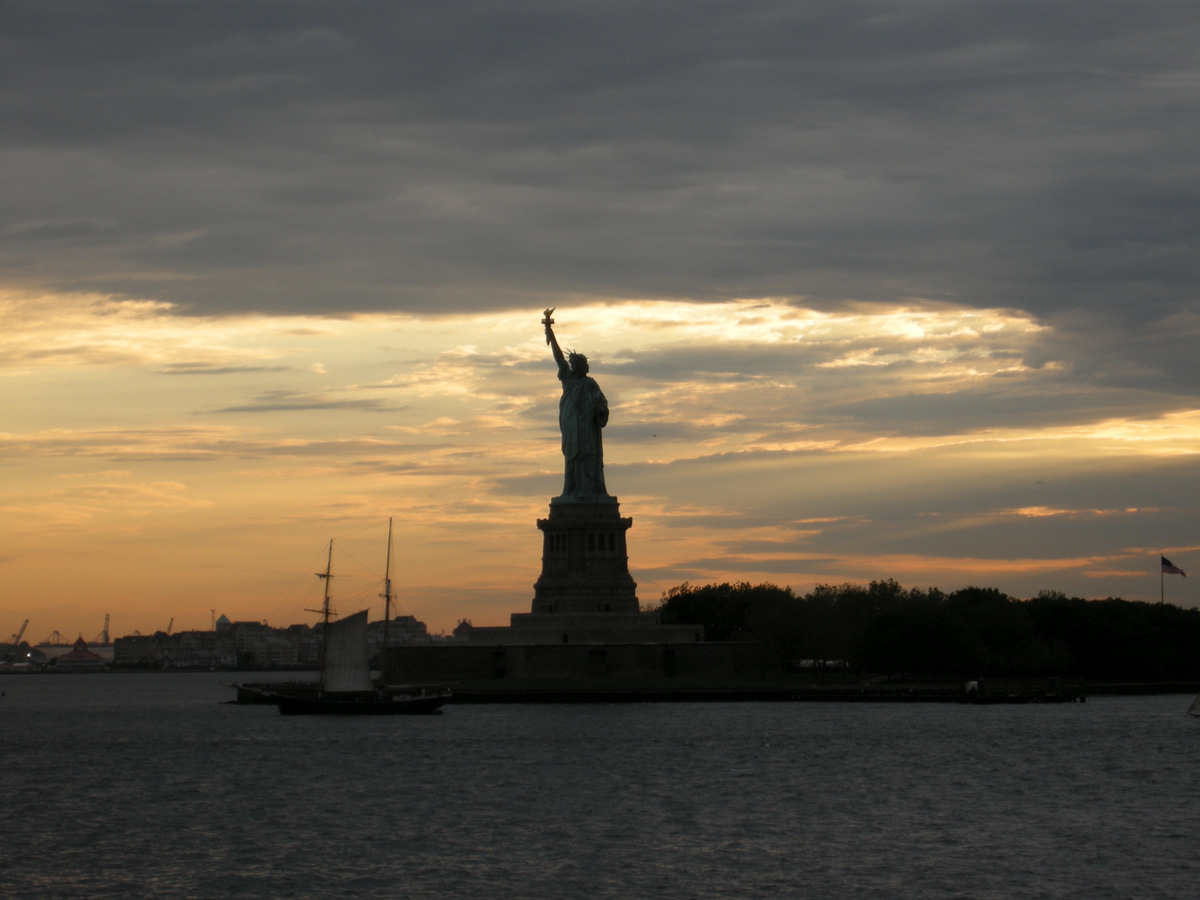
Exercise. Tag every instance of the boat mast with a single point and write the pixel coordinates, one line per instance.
(387, 593)
(324, 576)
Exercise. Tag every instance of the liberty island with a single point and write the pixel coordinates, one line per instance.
(585, 593)
(585, 620)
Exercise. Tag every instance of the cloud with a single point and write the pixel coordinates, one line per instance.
(294, 401)
(206, 369)
(326, 158)
(84, 329)
(111, 497)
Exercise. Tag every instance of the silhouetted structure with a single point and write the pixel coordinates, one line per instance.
(585, 593)
(585, 600)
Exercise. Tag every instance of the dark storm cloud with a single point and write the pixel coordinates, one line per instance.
(321, 157)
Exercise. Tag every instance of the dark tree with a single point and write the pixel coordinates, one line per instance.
(975, 631)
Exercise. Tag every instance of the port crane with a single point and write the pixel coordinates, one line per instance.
(16, 638)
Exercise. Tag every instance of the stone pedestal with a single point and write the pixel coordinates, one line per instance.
(585, 564)
(585, 594)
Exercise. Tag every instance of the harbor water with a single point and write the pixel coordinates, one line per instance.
(149, 785)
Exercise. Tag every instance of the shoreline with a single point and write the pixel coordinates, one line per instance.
(876, 688)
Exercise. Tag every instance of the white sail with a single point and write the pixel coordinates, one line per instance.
(345, 667)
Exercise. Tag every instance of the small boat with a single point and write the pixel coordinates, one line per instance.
(345, 686)
(1022, 690)
(1194, 709)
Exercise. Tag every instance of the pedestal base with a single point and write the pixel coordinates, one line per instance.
(585, 594)
(585, 565)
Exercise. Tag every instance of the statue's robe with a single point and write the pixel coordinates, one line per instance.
(582, 412)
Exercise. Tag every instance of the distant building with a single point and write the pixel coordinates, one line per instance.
(250, 644)
(401, 630)
(197, 650)
(139, 649)
(79, 659)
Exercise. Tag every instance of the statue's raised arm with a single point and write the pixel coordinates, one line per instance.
(582, 412)
(563, 368)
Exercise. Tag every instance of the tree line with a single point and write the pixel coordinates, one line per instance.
(884, 627)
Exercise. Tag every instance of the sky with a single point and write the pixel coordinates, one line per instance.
(875, 290)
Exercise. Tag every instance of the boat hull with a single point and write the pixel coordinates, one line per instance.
(266, 692)
(373, 704)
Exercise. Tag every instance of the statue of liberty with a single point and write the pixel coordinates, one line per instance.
(582, 412)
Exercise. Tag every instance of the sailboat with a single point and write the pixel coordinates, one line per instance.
(345, 686)
(1194, 709)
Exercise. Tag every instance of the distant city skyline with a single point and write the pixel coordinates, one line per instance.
(874, 290)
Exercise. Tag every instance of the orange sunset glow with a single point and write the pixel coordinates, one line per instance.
(263, 288)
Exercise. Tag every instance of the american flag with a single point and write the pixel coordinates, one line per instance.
(1171, 569)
